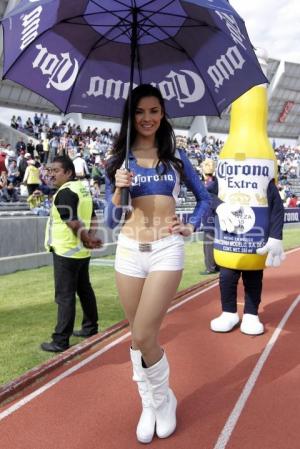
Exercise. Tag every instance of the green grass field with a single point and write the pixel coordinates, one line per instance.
(28, 312)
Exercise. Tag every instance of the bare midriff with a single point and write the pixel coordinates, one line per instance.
(150, 218)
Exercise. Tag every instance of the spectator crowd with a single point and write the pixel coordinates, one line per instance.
(24, 170)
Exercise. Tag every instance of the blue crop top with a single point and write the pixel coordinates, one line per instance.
(148, 181)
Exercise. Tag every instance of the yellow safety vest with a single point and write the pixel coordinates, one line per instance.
(59, 237)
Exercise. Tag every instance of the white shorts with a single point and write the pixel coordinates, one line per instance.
(138, 259)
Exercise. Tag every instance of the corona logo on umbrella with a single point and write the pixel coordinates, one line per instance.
(62, 70)
(62, 73)
(30, 24)
(185, 86)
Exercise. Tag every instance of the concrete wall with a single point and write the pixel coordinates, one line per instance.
(25, 235)
(22, 243)
(36, 260)
(21, 235)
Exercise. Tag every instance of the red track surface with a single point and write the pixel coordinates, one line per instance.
(250, 383)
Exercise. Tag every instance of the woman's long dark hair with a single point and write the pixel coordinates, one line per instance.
(165, 137)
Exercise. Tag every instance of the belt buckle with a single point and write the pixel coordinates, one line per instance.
(145, 247)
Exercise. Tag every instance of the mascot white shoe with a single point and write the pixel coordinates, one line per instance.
(251, 325)
(225, 322)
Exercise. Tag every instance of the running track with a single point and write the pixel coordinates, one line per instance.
(234, 391)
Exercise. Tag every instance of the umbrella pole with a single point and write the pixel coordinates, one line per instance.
(125, 191)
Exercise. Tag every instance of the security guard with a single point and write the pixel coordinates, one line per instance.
(70, 235)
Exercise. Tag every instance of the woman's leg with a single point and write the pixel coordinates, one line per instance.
(146, 424)
(158, 291)
(145, 303)
(130, 290)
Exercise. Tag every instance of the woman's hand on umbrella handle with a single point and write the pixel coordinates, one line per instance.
(123, 178)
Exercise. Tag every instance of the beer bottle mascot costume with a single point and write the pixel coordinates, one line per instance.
(249, 220)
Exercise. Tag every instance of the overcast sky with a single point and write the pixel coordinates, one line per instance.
(273, 25)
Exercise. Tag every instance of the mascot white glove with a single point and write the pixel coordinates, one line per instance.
(228, 221)
(275, 252)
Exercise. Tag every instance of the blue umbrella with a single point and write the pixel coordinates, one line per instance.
(86, 55)
(83, 55)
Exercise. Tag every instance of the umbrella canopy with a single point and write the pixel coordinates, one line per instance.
(85, 55)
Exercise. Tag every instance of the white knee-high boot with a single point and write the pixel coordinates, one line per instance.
(164, 400)
(146, 425)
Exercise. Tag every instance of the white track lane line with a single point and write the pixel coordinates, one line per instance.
(239, 406)
(84, 362)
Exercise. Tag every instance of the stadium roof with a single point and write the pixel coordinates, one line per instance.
(284, 98)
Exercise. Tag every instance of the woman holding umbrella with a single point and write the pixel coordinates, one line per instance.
(150, 251)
